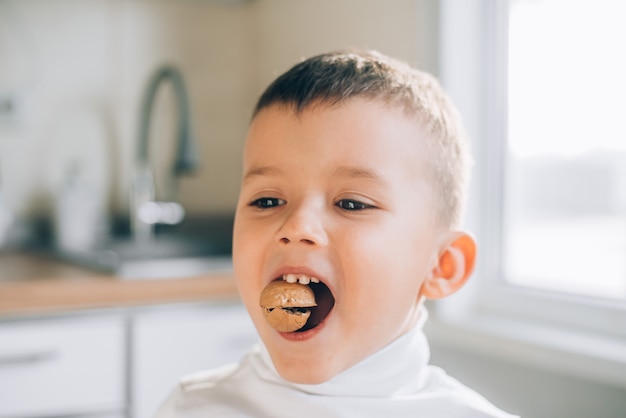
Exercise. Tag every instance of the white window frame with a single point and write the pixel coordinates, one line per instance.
(573, 334)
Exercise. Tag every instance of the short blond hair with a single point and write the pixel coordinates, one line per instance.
(334, 77)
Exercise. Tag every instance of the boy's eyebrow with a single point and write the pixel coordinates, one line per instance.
(352, 172)
(261, 171)
(359, 173)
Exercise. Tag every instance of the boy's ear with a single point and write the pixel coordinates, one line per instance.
(454, 266)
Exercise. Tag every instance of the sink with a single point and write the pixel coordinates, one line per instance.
(192, 251)
(174, 267)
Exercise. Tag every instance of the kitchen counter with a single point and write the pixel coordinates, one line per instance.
(38, 284)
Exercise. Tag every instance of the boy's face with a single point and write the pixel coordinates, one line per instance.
(338, 193)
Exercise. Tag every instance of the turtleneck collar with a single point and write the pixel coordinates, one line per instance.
(395, 370)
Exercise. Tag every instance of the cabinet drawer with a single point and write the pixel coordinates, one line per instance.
(61, 366)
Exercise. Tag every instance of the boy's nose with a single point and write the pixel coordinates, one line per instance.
(303, 225)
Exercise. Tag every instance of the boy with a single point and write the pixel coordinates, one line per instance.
(348, 217)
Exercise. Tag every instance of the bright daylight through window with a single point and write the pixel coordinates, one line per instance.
(564, 210)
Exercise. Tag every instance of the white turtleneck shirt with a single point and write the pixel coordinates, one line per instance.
(396, 381)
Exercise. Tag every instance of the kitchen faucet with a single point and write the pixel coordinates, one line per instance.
(145, 210)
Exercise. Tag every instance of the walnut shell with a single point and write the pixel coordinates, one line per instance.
(286, 305)
(283, 320)
(280, 294)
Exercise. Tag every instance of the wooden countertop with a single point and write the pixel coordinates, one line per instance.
(36, 284)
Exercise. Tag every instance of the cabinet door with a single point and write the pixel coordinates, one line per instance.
(62, 366)
(177, 340)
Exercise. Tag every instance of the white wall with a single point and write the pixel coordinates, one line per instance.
(56, 64)
(284, 31)
(529, 391)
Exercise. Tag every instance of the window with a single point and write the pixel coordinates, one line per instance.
(564, 208)
(541, 88)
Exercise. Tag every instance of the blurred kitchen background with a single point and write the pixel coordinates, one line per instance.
(73, 76)
(121, 128)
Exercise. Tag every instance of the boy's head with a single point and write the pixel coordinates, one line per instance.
(354, 171)
(333, 78)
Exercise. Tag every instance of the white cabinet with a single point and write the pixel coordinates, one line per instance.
(174, 341)
(117, 363)
(62, 366)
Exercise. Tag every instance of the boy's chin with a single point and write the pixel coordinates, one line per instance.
(307, 367)
(306, 373)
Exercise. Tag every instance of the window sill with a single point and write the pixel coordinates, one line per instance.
(565, 351)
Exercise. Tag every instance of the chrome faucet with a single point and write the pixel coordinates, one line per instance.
(145, 210)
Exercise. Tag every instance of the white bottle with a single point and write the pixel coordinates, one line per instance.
(78, 213)
(6, 218)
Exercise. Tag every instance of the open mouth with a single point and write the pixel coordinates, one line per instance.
(296, 303)
(325, 302)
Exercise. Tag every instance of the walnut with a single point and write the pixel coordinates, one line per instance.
(287, 306)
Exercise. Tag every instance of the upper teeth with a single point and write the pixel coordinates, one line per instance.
(301, 278)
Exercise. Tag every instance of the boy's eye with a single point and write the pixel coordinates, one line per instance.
(267, 202)
(352, 205)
